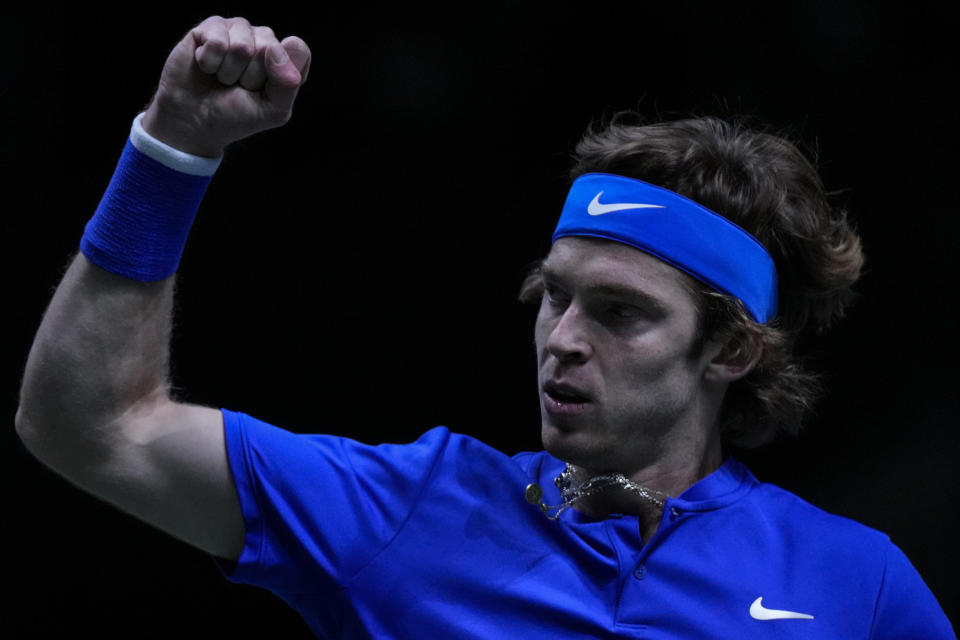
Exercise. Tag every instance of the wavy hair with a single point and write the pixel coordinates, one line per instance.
(764, 184)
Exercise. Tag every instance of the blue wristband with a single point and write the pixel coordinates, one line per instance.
(140, 228)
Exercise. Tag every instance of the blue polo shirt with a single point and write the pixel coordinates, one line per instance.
(434, 539)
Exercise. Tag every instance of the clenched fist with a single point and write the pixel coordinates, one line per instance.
(224, 81)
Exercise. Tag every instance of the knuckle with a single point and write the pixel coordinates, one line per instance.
(242, 49)
(214, 19)
(264, 35)
(216, 44)
(208, 27)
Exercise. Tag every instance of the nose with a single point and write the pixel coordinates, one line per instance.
(568, 340)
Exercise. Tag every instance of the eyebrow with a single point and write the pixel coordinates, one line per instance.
(613, 290)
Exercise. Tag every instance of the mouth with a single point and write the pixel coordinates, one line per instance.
(562, 392)
(563, 399)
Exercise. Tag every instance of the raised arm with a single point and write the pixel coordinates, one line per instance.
(95, 401)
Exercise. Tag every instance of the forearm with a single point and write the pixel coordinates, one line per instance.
(94, 402)
(100, 357)
(102, 350)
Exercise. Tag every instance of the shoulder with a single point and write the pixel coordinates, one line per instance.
(842, 557)
(804, 527)
(253, 443)
(790, 507)
(856, 554)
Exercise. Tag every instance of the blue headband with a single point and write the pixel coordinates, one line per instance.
(678, 231)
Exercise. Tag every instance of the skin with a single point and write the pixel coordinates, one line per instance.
(224, 81)
(617, 328)
(95, 402)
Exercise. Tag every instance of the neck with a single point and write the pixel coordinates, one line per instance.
(670, 472)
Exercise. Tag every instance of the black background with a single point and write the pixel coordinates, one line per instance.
(355, 272)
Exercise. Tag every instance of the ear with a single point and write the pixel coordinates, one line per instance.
(732, 360)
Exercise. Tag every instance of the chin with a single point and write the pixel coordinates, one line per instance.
(568, 445)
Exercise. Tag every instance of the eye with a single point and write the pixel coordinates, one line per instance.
(554, 296)
(622, 311)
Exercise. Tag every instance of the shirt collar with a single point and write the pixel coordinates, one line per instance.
(724, 486)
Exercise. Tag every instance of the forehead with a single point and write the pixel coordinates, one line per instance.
(602, 264)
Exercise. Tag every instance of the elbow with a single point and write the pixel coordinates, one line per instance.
(44, 441)
(22, 425)
(27, 432)
(71, 440)
(56, 447)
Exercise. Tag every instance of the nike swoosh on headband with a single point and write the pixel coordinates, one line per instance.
(596, 208)
(678, 231)
(760, 612)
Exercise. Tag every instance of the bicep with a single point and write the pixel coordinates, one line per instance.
(168, 466)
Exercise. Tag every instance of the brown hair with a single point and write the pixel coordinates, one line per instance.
(764, 184)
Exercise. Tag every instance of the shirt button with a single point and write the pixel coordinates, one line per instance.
(640, 572)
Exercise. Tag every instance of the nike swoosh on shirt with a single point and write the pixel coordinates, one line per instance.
(760, 612)
(595, 208)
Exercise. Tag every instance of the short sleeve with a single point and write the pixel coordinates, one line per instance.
(906, 608)
(318, 508)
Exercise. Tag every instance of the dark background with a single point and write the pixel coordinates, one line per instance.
(355, 272)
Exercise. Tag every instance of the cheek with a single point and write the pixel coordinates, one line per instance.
(541, 331)
(651, 370)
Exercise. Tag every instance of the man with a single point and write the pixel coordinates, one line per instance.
(664, 331)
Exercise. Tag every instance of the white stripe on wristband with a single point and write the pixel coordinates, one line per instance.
(168, 156)
(140, 228)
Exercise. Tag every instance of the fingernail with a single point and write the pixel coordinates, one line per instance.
(279, 53)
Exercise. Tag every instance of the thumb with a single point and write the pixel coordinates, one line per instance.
(283, 78)
(299, 53)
